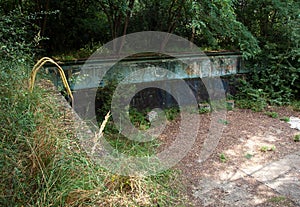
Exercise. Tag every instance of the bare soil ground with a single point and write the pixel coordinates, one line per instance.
(249, 141)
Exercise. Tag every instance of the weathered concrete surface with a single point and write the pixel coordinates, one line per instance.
(283, 176)
(251, 186)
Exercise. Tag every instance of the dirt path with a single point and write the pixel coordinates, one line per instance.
(255, 163)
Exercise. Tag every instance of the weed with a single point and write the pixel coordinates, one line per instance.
(139, 119)
(134, 148)
(297, 138)
(217, 105)
(256, 106)
(142, 119)
(248, 156)
(285, 119)
(267, 148)
(251, 98)
(124, 183)
(204, 108)
(230, 105)
(172, 113)
(272, 114)
(223, 158)
(277, 199)
(222, 121)
(264, 148)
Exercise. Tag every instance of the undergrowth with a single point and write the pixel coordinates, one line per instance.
(257, 99)
(42, 165)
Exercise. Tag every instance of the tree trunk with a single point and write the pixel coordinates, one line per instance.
(128, 14)
(43, 27)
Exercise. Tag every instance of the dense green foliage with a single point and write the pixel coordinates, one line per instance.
(71, 25)
(17, 35)
(265, 31)
(275, 71)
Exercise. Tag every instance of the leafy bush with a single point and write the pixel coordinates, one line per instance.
(279, 83)
(250, 98)
(296, 105)
(17, 35)
(275, 71)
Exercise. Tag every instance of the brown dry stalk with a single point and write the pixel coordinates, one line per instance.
(100, 133)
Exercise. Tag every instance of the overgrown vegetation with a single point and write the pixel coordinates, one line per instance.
(264, 31)
(274, 77)
(81, 26)
(40, 161)
(41, 164)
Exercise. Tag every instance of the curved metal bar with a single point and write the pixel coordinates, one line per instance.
(36, 68)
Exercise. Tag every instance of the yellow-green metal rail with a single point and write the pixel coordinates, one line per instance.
(40, 64)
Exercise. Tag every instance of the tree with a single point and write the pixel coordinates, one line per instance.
(209, 24)
(276, 70)
(72, 25)
(214, 24)
(17, 36)
(118, 13)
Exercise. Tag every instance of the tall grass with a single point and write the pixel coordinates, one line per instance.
(41, 164)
